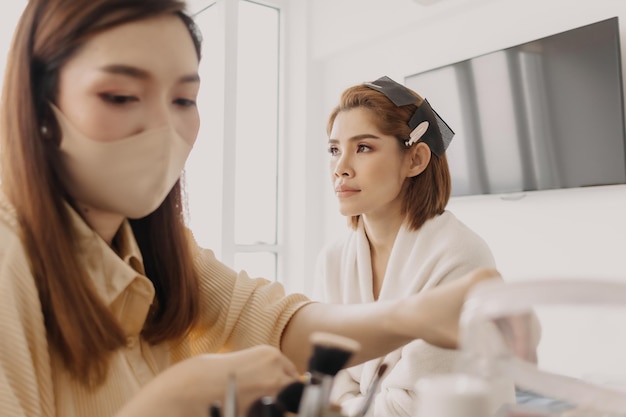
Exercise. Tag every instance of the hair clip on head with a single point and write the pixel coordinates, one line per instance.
(427, 125)
(416, 134)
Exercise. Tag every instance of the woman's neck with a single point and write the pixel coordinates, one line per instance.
(104, 223)
(381, 235)
(382, 230)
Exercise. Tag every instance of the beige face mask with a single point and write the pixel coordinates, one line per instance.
(131, 176)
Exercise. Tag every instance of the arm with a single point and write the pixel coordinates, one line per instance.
(9, 401)
(25, 375)
(189, 387)
(384, 326)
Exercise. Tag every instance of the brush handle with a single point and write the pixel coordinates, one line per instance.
(371, 390)
(311, 403)
(230, 402)
(326, 385)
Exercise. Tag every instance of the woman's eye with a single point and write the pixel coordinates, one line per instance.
(185, 102)
(333, 150)
(118, 99)
(363, 148)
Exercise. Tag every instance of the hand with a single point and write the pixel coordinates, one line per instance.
(188, 388)
(438, 310)
(521, 333)
(261, 371)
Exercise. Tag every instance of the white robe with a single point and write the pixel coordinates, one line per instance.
(443, 249)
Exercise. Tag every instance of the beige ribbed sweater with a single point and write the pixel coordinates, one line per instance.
(236, 312)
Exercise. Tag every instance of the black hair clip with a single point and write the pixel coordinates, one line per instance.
(425, 124)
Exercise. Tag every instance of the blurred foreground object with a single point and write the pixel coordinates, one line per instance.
(503, 326)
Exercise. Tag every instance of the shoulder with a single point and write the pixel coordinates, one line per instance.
(457, 240)
(247, 311)
(220, 283)
(334, 250)
(9, 228)
(450, 228)
(215, 277)
(334, 246)
(343, 240)
(19, 297)
(12, 253)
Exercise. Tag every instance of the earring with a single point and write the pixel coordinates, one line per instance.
(44, 130)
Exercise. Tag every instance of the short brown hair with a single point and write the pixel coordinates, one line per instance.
(425, 195)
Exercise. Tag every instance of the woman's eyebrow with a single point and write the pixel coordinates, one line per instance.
(191, 78)
(356, 137)
(139, 73)
(127, 70)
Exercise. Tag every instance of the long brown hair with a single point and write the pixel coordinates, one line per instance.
(79, 325)
(425, 195)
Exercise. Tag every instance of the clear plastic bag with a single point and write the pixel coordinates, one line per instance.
(562, 342)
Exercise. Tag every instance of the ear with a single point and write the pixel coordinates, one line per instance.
(420, 158)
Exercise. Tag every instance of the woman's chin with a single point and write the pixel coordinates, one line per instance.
(344, 211)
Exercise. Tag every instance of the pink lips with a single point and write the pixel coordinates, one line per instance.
(345, 191)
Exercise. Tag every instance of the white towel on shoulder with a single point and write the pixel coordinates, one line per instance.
(443, 249)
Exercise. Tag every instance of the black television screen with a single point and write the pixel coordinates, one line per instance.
(543, 115)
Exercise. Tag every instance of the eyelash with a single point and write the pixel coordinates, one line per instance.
(122, 100)
(185, 102)
(333, 150)
(118, 99)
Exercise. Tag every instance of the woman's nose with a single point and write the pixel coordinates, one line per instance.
(160, 113)
(342, 167)
(160, 116)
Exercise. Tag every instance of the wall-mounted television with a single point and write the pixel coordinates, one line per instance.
(545, 114)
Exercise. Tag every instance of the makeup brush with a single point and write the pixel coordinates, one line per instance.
(371, 390)
(215, 410)
(266, 407)
(330, 354)
(290, 396)
(287, 400)
(230, 402)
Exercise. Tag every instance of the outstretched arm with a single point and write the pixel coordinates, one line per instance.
(384, 326)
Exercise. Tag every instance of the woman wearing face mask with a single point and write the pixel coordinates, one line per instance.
(107, 305)
(389, 171)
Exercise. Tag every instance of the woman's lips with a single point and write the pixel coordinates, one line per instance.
(344, 191)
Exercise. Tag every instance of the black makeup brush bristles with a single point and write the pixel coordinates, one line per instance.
(290, 396)
(331, 352)
(266, 407)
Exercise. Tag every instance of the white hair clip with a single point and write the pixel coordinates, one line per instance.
(416, 134)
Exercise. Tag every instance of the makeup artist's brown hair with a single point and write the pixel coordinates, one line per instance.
(423, 196)
(79, 326)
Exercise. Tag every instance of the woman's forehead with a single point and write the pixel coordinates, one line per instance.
(160, 45)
